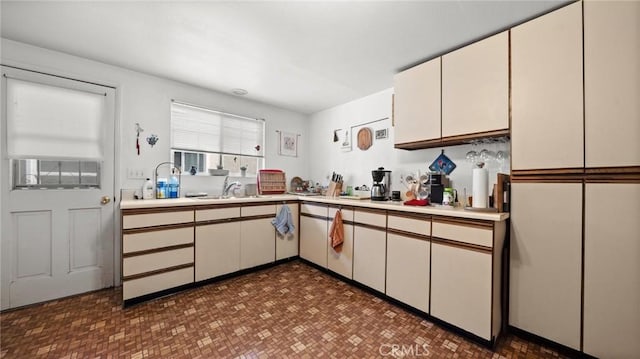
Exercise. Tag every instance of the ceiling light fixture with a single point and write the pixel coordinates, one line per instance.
(239, 92)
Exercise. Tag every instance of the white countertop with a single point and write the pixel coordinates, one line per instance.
(388, 205)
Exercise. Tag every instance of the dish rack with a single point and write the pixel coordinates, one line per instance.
(271, 182)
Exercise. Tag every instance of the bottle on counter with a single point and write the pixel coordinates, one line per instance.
(174, 185)
(161, 189)
(147, 189)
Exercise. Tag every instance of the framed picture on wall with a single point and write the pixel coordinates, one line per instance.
(288, 144)
(382, 134)
(345, 141)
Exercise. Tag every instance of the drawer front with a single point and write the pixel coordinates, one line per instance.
(314, 210)
(413, 225)
(156, 239)
(217, 213)
(156, 219)
(347, 214)
(141, 286)
(258, 210)
(374, 219)
(155, 261)
(465, 234)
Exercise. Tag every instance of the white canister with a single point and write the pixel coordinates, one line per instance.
(480, 187)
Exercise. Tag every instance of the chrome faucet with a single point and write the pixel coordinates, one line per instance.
(227, 186)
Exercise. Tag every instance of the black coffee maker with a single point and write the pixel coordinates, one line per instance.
(438, 183)
(381, 184)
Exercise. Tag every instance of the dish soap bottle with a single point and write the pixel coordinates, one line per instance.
(173, 185)
(147, 189)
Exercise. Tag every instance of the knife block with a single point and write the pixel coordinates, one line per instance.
(334, 189)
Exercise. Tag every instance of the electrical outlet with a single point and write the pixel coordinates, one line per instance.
(135, 173)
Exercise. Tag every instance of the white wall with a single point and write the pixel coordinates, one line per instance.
(146, 99)
(356, 165)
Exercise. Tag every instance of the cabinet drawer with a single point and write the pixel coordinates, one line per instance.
(217, 213)
(258, 210)
(466, 234)
(156, 239)
(314, 210)
(370, 218)
(141, 286)
(347, 214)
(413, 225)
(155, 261)
(156, 219)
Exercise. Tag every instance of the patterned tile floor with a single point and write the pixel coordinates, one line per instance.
(289, 311)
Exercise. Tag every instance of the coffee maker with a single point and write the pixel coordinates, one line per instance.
(381, 184)
(438, 182)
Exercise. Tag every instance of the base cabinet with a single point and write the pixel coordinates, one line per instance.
(370, 248)
(314, 233)
(217, 250)
(287, 244)
(257, 236)
(612, 270)
(342, 262)
(408, 262)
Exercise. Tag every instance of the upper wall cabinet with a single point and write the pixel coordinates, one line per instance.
(475, 87)
(417, 106)
(547, 97)
(612, 83)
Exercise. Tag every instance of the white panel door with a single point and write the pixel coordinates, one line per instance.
(369, 257)
(313, 240)
(257, 242)
(408, 270)
(612, 270)
(57, 242)
(287, 245)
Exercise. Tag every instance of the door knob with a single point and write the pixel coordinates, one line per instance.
(105, 199)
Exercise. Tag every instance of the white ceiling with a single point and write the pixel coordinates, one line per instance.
(300, 55)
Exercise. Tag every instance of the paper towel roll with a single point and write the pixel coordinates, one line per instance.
(480, 187)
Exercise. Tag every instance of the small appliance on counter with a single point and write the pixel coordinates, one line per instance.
(439, 182)
(381, 184)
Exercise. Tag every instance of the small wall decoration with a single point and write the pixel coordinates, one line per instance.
(288, 144)
(345, 143)
(382, 134)
(152, 140)
(364, 138)
(138, 130)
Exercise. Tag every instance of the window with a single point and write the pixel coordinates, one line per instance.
(44, 174)
(207, 139)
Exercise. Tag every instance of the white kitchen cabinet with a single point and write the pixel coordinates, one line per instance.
(257, 236)
(546, 257)
(342, 262)
(475, 87)
(547, 91)
(369, 248)
(217, 249)
(314, 233)
(408, 263)
(461, 289)
(612, 270)
(287, 245)
(417, 108)
(612, 83)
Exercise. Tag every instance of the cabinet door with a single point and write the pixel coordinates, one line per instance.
(546, 257)
(217, 250)
(612, 83)
(461, 288)
(475, 87)
(257, 242)
(342, 262)
(287, 245)
(408, 270)
(369, 257)
(612, 270)
(546, 83)
(313, 240)
(417, 103)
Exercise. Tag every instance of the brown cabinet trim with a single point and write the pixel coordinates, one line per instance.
(410, 215)
(158, 271)
(452, 140)
(371, 210)
(162, 227)
(462, 245)
(629, 174)
(220, 221)
(364, 225)
(413, 235)
(257, 204)
(156, 250)
(317, 204)
(216, 206)
(261, 216)
(314, 216)
(133, 211)
(474, 223)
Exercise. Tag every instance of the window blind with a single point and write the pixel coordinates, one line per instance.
(199, 129)
(45, 121)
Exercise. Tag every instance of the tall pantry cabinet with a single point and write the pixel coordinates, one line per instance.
(575, 236)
